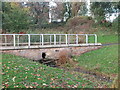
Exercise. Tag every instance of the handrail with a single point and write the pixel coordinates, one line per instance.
(53, 39)
(47, 34)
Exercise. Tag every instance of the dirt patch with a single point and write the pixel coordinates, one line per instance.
(51, 53)
(56, 56)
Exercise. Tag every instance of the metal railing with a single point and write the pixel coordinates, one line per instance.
(46, 40)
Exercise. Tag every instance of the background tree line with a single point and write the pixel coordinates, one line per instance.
(21, 16)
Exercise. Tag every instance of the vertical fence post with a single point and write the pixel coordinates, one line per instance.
(54, 39)
(5, 40)
(50, 39)
(86, 39)
(66, 39)
(29, 40)
(95, 39)
(14, 40)
(18, 40)
(60, 39)
(42, 39)
(76, 39)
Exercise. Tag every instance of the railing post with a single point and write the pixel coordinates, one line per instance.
(50, 39)
(54, 39)
(42, 40)
(95, 39)
(86, 39)
(5, 40)
(66, 39)
(14, 40)
(18, 40)
(60, 39)
(29, 40)
(76, 39)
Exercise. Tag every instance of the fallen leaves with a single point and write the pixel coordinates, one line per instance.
(39, 78)
(14, 79)
(6, 85)
(26, 74)
(16, 86)
(36, 74)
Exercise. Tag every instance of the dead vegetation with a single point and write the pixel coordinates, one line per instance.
(64, 57)
(80, 24)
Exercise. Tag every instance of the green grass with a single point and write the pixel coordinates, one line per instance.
(20, 72)
(105, 34)
(108, 39)
(105, 39)
(45, 31)
(104, 60)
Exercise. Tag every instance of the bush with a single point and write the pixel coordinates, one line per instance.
(115, 24)
(15, 18)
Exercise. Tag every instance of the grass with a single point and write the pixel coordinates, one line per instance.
(45, 31)
(104, 39)
(20, 72)
(108, 39)
(104, 60)
(105, 35)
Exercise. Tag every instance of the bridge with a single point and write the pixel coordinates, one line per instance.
(30, 41)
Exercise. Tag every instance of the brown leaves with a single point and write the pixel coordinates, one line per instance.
(39, 78)
(6, 85)
(35, 83)
(36, 74)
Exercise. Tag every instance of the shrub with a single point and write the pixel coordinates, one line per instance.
(14, 18)
(115, 24)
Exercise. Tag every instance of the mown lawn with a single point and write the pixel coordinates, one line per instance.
(108, 39)
(104, 60)
(105, 39)
(18, 72)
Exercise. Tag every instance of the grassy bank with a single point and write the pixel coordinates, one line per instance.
(20, 72)
(105, 39)
(104, 60)
(108, 38)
